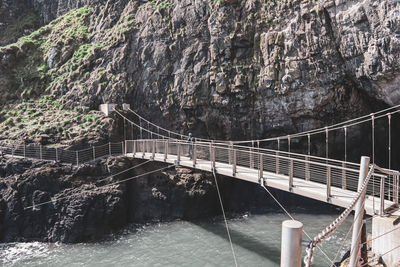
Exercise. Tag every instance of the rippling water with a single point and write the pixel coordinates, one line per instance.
(256, 241)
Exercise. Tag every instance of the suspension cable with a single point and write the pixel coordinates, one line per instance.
(291, 217)
(225, 220)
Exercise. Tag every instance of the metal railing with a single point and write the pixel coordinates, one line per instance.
(331, 173)
(62, 155)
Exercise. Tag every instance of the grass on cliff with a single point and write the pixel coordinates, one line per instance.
(45, 117)
(63, 36)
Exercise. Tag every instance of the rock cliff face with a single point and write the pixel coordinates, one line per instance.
(223, 69)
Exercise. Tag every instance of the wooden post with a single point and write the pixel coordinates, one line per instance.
(292, 232)
(359, 209)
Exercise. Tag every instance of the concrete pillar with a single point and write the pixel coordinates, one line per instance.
(107, 108)
(291, 243)
(126, 106)
(358, 216)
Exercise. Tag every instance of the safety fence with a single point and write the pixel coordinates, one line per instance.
(331, 173)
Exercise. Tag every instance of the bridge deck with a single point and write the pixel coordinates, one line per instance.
(318, 191)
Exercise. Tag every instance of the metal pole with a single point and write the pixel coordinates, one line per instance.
(344, 182)
(359, 210)
(213, 158)
(194, 154)
(134, 147)
(382, 196)
(261, 170)
(179, 152)
(277, 158)
(326, 142)
(166, 150)
(94, 153)
(390, 147)
(251, 158)
(234, 163)
(291, 243)
(328, 183)
(124, 129)
(396, 189)
(24, 151)
(40, 152)
(109, 148)
(77, 158)
(291, 175)
(230, 152)
(56, 154)
(154, 149)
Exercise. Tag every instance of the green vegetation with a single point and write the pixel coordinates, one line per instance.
(161, 5)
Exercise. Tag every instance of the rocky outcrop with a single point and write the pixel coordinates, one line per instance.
(53, 202)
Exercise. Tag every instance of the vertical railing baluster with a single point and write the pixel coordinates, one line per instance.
(344, 182)
(194, 154)
(77, 158)
(134, 147)
(40, 153)
(230, 147)
(166, 150)
(154, 149)
(328, 183)
(93, 152)
(234, 163)
(109, 148)
(290, 174)
(57, 154)
(179, 151)
(261, 169)
(213, 157)
(396, 189)
(251, 156)
(382, 197)
(277, 169)
(24, 151)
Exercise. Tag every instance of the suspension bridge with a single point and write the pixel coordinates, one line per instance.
(335, 181)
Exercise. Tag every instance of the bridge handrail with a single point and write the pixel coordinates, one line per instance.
(324, 234)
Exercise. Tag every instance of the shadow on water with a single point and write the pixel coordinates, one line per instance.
(242, 240)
